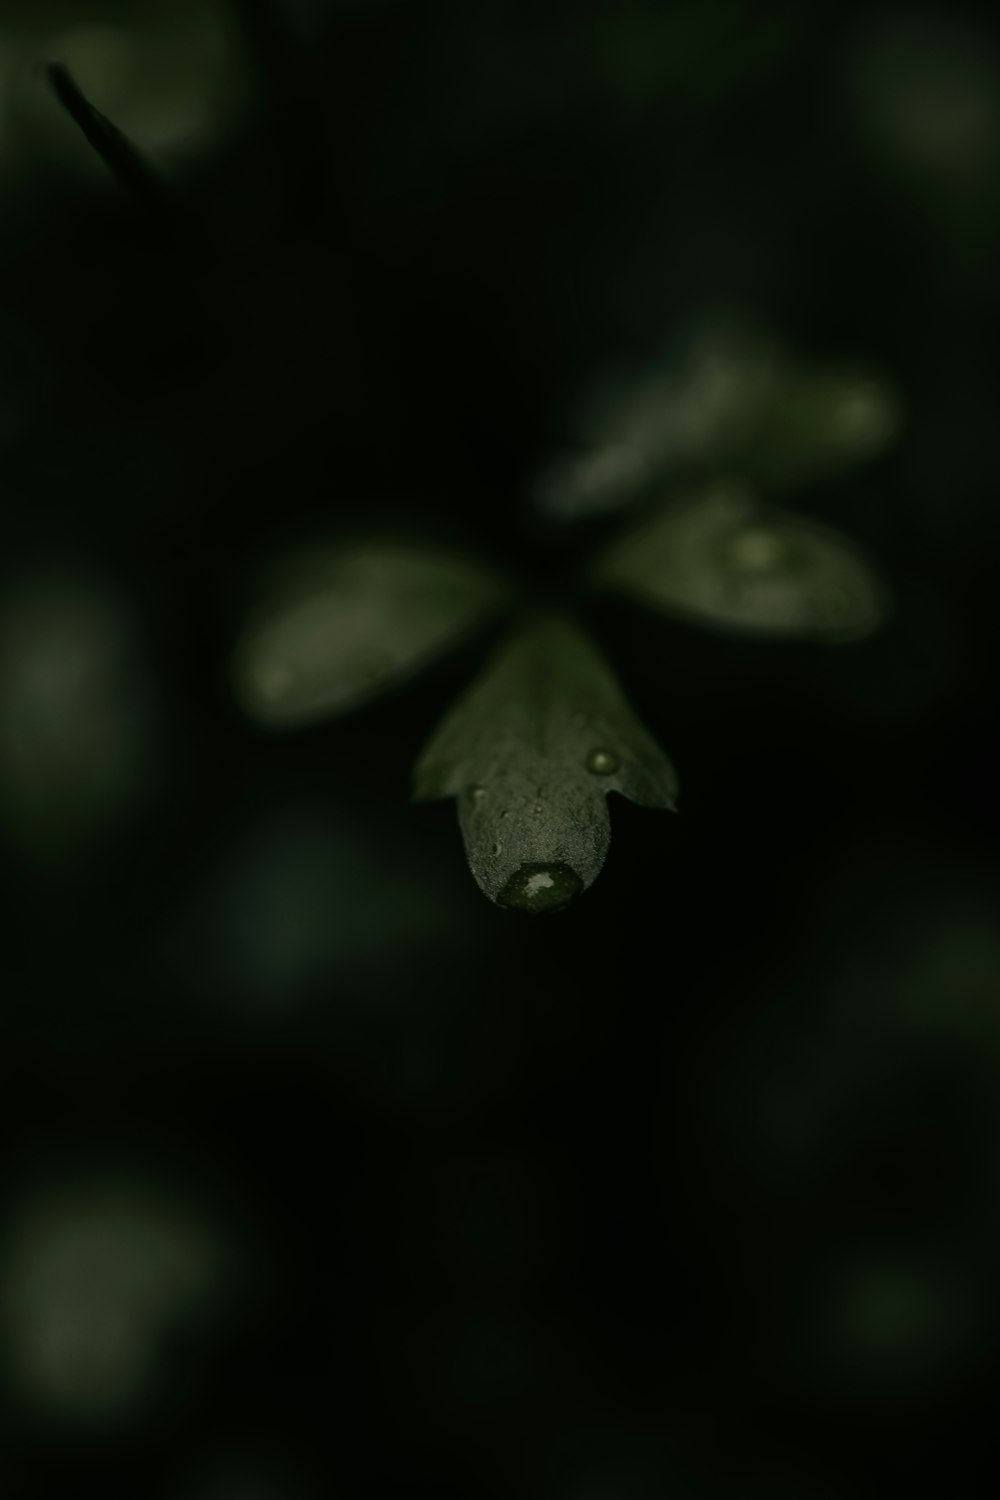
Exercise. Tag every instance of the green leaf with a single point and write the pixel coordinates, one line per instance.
(530, 751)
(821, 421)
(720, 558)
(729, 399)
(338, 626)
(694, 409)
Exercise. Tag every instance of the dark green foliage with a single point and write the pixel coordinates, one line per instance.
(335, 628)
(530, 753)
(720, 558)
(690, 1192)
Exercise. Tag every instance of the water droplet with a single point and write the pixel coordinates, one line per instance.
(602, 762)
(498, 847)
(477, 793)
(537, 809)
(541, 888)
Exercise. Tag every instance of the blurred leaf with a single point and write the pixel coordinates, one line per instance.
(338, 626)
(695, 409)
(887, 1324)
(530, 752)
(821, 421)
(728, 399)
(719, 558)
(590, 482)
(93, 1280)
(921, 88)
(79, 713)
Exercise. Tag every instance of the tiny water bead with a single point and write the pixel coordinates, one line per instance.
(477, 793)
(541, 888)
(602, 762)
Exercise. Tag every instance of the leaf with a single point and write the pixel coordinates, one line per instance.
(823, 420)
(338, 626)
(698, 406)
(530, 752)
(728, 399)
(720, 558)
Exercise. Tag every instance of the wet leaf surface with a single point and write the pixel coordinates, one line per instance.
(530, 752)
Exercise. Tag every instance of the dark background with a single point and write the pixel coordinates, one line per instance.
(691, 1190)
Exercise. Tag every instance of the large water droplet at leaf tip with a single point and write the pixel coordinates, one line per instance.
(540, 889)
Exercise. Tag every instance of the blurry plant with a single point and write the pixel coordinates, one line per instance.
(545, 732)
(79, 717)
(173, 73)
(95, 1277)
(727, 398)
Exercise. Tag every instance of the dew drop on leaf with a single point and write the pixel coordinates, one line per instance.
(541, 888)
(602, 762)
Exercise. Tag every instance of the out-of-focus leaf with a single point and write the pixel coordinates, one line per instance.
(893, 1323)
(920, 88)
(697, 408)
(822, 420)
(590, 482)
(530, 752)
(729, 399)
(94, 1279)
(720, 558)
(79, 714)
(336, 627)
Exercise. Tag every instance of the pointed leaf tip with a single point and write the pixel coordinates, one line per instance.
(530, 752)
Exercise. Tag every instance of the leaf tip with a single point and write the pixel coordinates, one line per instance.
(540, 888)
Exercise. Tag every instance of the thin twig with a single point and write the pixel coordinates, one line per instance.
(121, 158)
